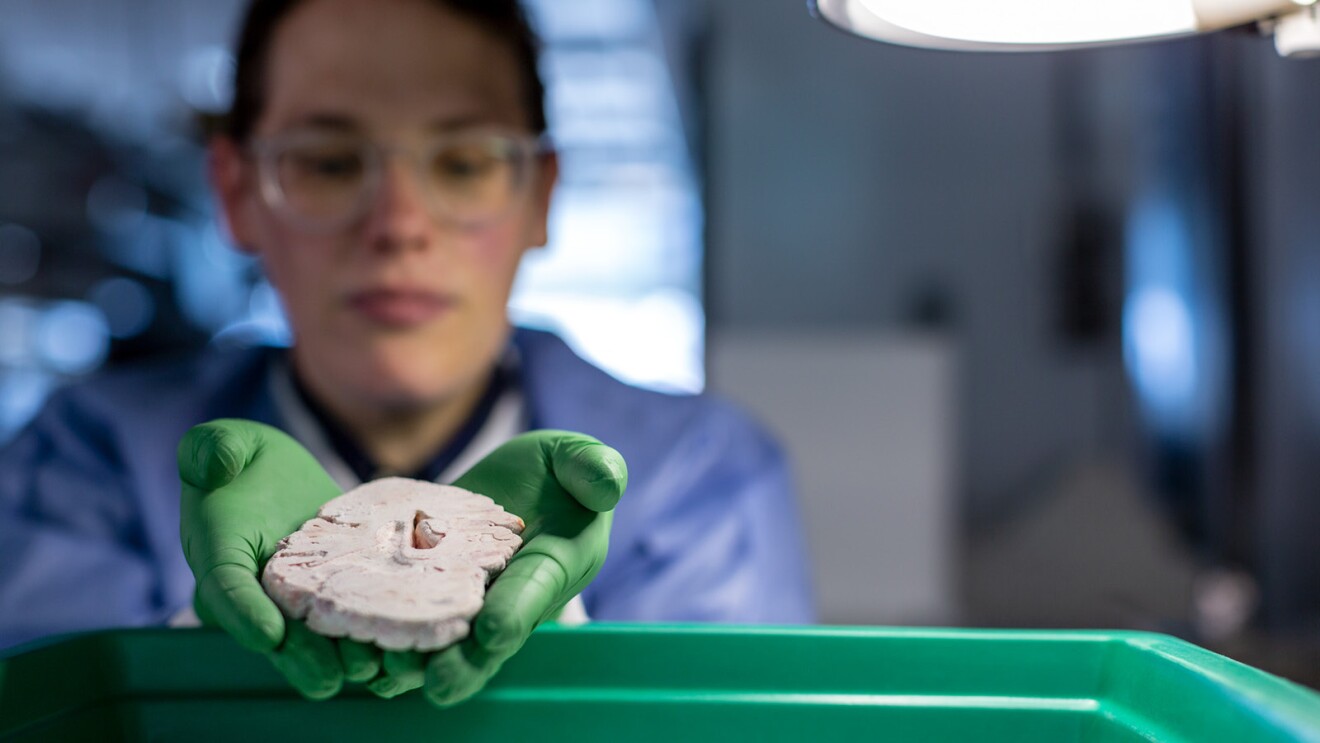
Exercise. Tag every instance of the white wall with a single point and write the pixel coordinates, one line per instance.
(869, 419)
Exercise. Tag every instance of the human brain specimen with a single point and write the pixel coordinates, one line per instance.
(400, 563)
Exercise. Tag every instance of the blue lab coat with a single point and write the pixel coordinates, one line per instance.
(89, 495)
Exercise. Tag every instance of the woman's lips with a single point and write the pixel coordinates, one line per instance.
(399, 308)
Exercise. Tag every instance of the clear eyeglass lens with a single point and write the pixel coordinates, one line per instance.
(477, 179)
(323, 180)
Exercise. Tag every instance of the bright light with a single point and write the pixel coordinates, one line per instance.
(1037, 21)
(655, 340)
(620, 279)
(1017, 25)
(1159, 340)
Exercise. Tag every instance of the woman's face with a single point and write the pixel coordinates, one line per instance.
(398, 307)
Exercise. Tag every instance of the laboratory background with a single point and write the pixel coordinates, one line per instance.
(1040, 331)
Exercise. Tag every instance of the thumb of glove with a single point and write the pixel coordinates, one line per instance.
(595, 474)
(212, 454)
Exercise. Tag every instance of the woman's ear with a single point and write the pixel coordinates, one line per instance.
(547, 176)
(233, 185)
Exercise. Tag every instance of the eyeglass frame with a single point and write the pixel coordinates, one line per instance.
(266, 151)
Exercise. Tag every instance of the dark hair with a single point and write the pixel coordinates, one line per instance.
(503, 18)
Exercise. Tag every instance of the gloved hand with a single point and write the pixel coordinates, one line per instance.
(246, 486)
(564, 486)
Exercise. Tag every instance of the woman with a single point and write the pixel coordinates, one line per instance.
(386, 162)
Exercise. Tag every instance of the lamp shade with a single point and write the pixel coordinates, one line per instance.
(1023, 25)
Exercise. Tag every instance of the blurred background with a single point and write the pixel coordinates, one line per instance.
(1041, 331)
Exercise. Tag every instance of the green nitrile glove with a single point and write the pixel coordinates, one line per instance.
(245, 487)
(563, 485)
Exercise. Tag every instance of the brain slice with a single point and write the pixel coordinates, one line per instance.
(400, 563)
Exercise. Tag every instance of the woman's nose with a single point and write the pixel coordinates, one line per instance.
(399, 216)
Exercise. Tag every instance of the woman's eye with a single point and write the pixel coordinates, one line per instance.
(329, 165)
(463, 165)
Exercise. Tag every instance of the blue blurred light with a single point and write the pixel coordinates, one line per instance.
(264, 325)
(20, 254)
(1159, 346)
(72, 337)
(207, 79)
(128, 306)
(18, 328)
(1173, 342)
(210, 284)
(22, 391)
(558, 21)
(266, 309)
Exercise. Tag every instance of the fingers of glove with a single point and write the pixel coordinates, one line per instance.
(231, 597)
(403, 671)
(592, 472)
(361, 661)
(532, 588)
(212, 454)
(310, 662)
(455, 674)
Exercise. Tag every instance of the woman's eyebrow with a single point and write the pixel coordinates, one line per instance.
(324, 120)
(458, 123)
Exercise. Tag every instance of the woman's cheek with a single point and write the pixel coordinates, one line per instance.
(495, 254)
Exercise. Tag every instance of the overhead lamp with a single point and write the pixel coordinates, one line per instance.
(1034, 25)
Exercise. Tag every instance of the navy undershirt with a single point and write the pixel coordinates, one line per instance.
(360, 462)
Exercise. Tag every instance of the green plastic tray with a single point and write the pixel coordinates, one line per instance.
(667, 683)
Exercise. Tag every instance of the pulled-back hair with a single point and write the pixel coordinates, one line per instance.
(502, 18)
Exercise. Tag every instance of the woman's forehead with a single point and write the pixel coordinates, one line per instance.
(389, 64)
